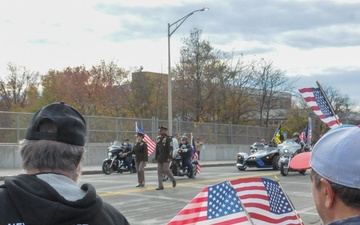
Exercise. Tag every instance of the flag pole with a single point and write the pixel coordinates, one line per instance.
(328, 102)
(276, 131)
(287, 197)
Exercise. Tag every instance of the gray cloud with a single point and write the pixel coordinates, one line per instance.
(346, 80)
(300, 24)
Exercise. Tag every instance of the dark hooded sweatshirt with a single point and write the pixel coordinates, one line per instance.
(28, 200)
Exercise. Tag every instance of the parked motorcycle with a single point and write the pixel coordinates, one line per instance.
(116, 161)
(288, 149)
(176, 165)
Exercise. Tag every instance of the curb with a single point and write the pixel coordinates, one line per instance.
(150, 168)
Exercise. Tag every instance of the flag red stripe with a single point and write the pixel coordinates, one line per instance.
(257, 205)
(272, 220)
(310, 99)
(303, 90)
(257, 196)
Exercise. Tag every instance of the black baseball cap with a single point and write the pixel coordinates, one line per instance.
(71, 125)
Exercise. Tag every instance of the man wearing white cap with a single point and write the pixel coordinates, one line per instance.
(335, 175)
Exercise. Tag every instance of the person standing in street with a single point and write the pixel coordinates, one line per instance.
(198, 146)
(52, 155)
(140, 150)
(163, 157)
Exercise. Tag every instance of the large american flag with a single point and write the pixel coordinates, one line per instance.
(217, 204)
(196, 156)
(318, 104)
(151, 144)
(265, 201)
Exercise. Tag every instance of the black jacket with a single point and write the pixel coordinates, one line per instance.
(164, 148)
(189, 153)
(28, 200)
(141, 151)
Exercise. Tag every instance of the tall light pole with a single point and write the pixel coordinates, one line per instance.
(177, 25)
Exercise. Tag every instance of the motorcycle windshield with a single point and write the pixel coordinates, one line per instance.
(116, 144)
(290, 145)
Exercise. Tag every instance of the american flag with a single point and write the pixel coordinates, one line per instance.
(217, 204)
(151, 144)
(304, 134)
(318, 104)
(196, 156)
(265, 201)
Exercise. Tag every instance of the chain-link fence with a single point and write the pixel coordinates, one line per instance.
(107, 129)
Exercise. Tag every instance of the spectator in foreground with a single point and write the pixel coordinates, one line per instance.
(335, 175)
(52, 155)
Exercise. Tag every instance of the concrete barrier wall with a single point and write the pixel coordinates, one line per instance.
(97, 152)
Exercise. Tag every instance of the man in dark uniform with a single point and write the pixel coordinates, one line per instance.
(297, 139)
(127, 148)
(187, 155)
(163, 156)
(141, 157)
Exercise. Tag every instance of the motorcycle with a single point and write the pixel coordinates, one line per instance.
(116, 161)
(176, 165)
(288, 149)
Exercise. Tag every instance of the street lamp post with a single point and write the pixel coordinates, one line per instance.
(177, 25)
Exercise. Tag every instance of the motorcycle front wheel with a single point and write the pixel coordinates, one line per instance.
(284, 171)
(106, 168)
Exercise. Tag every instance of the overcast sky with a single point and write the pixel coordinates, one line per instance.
(318, 40)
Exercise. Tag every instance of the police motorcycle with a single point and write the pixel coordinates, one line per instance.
(288, 149)
(176, 165)
(116, 160)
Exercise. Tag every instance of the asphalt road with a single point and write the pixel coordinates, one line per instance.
(148, 206)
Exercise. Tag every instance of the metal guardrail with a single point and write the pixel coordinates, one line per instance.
(107, 129)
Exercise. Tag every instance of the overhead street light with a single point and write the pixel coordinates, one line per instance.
(177, 25)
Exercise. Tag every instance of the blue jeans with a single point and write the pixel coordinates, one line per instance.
(187, 162)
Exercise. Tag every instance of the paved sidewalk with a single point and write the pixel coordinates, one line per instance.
(4, 172)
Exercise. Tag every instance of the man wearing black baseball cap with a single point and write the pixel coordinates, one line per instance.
(52, 156)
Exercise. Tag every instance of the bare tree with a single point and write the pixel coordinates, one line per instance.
(195, 78)
(15, 87)
(272, 85)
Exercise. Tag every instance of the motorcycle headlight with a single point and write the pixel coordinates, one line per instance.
(240, 157)
(179, 151)
(286, 151)
(109, 154)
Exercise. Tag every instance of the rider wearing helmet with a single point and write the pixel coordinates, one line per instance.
(296, 138)
(186, 157)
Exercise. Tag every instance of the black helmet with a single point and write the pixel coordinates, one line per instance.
(296, 135)
(183, 138)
